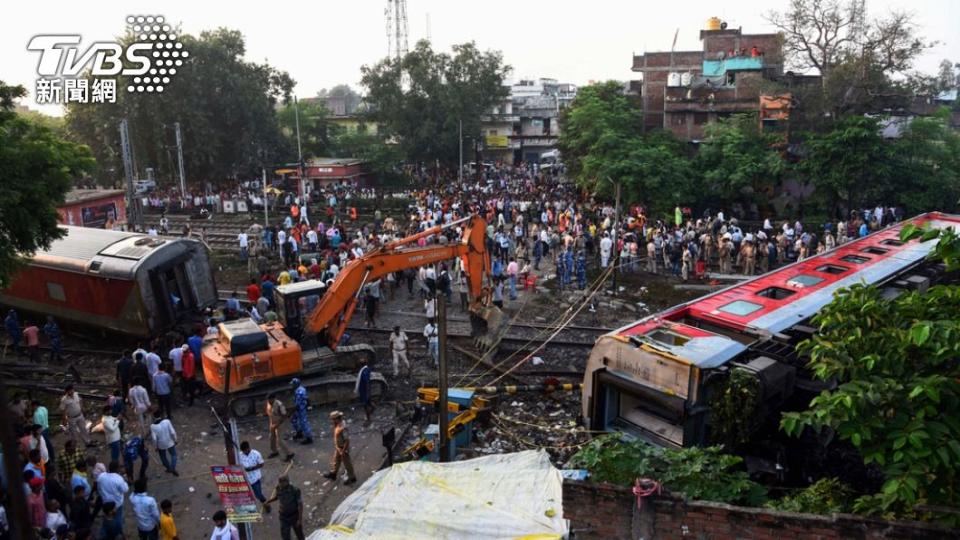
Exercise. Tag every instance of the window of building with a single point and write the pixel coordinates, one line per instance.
(492, 132)
(740, 308)
(873, 250)
(832, 269)
(700, 118)
(775, 293)
(804, 280)
(56, 292)
(892, 242)
(855, 259)
(678, 119)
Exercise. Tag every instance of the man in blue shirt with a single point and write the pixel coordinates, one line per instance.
(300, 422)
(146, 510)
(362, 389)
(163, 387)
(135, 449)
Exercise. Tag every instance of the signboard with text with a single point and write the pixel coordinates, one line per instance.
(235, 494)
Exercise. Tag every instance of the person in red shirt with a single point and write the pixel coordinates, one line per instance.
(253, 291)
(189, 379)
(36, 505)
(31, 334)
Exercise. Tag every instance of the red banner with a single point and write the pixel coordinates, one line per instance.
(235, 494)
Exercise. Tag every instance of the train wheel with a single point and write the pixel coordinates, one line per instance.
(242, 407)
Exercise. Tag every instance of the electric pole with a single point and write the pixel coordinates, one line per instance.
(134, 215)
(303, 182)
(183, 181)
(444, 450)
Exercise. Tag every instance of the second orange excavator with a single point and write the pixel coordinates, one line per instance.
(248, 360)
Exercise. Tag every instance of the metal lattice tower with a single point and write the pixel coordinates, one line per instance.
(397, 31)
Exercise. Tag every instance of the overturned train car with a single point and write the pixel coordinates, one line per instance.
(123, 282)
(654, 379)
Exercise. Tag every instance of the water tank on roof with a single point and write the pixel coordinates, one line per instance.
(713, 23)
(686, 79)
(673, 79)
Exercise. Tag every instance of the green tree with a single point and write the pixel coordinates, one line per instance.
(382, 158)
(600, 109)
(738, 162)
(926, 165)
(442, 90)
(315, 130)
(898, 387)
(865, 64)
(37, 168)
(652, 169)
(225, 106)
(849, 165)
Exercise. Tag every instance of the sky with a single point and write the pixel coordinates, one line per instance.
(323, 43)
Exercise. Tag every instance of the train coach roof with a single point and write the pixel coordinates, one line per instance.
(97, 251)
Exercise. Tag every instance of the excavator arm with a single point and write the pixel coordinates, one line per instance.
(332, 314)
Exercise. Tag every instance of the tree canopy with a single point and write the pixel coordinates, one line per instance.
(38, 167)
(225, 106)
(420, 99)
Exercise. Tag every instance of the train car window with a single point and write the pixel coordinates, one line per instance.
(832, 269)
(740, 308)
(804, 280)
(775, 293)
(56, 292)
(874, 250)
(855, 259)
(892, 242)
(667, 338)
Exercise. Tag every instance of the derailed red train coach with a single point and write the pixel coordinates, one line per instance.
(123, 282)
(655, 378)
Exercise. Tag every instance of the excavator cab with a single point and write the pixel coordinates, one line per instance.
(294, 303)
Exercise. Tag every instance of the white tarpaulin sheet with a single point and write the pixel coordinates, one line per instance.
(501, 496)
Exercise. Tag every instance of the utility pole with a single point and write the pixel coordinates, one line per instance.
(616, 231)
(134, 215)
(460, 170)
(183, 181)
(230, 437)
(303, 182)
(444, 450)
(266, 220)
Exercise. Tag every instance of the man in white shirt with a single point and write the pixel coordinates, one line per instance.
(165, 438)
(111, 432)
(432, 333)
(139, 401)
(176, 357)
(252, 462)
(606, 245)
(281, 241)
(244, 244)
(153, 363)
(398, 346)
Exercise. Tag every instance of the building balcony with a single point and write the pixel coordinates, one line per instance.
(707, 105)
(500, 118)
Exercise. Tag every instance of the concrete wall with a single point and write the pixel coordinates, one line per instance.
(599, 511)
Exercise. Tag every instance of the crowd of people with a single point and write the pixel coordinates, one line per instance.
(537, 228)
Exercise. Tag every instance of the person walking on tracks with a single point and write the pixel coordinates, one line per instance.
(300, 422)
(341, 450)
(398, 346)
(277, 414)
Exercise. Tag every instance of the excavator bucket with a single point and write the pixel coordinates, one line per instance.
(488, 327)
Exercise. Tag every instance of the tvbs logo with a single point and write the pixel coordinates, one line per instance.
(150, 62)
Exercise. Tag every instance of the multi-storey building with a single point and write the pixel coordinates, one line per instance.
(683, 91)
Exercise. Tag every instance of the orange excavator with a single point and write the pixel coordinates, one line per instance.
(248, 360)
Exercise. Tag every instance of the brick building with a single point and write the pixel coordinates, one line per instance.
(684, 90)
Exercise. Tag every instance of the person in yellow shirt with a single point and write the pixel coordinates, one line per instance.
(168, 528)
